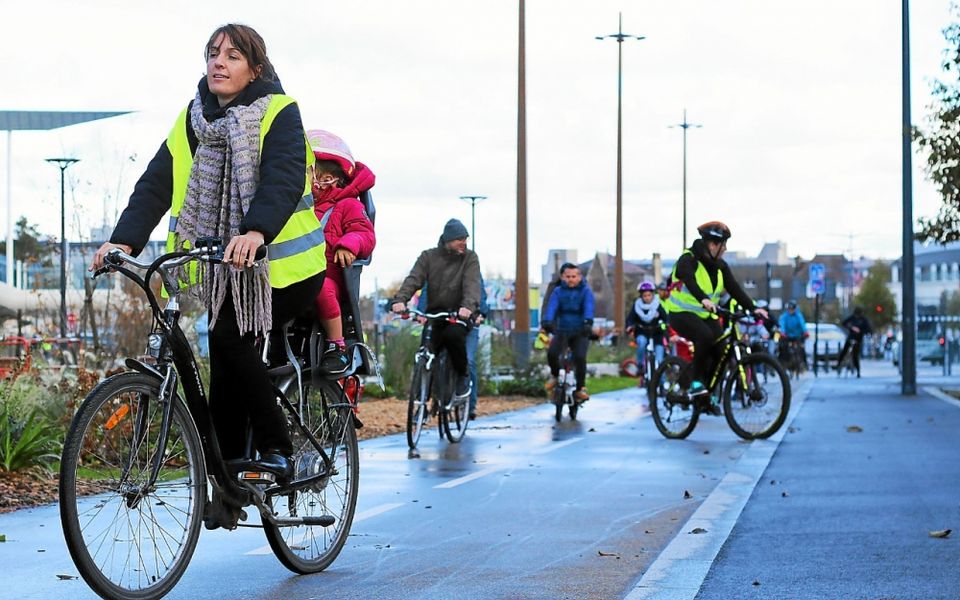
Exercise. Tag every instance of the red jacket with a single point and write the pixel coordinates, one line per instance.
(348, 226)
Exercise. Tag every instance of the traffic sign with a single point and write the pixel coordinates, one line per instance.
(817, 278)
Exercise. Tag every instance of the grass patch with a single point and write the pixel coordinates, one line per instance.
(609, 383)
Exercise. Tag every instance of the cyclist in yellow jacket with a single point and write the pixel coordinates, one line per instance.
(699, 279)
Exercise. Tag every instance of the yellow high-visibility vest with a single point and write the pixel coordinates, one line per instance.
(299, 250)
(681, 300)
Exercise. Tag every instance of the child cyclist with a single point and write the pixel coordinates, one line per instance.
(647, 321)
(338, 181)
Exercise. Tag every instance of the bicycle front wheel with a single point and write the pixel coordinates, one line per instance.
(131, 538)
(674, 413)
(756, 397)
(418, 407)
(312, 548)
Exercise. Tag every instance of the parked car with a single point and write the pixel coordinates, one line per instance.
(830, 339)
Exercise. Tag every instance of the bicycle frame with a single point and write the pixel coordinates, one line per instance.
(734, 349)
(175, 363)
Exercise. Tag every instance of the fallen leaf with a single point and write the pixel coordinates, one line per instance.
(66, 577)
(687, 495)
(756, 582)
(706, 452)
(3, 538)
(602, 553)
(591, 430)
(940, 534)
(854, 429)
(773, 482)
(784, 494)
(647, 531)
(698, 530)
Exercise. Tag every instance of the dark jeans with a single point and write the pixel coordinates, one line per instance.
(703, 333)
(578, 343)
(855, 344)
(240, 389)
(453, 337)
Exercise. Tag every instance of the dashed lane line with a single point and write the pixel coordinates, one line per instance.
(466, 478)
(682, 566)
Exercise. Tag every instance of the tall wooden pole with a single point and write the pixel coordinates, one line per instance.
(521, 329)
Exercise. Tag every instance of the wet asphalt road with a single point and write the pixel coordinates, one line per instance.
(522, 508)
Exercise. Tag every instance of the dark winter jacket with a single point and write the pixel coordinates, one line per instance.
(569, 309)
(860, 322)
(687, 268)
(654, 326)
(283, 170)
(454, 280)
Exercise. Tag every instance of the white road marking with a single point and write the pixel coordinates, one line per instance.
(941, 396)
(682, 566)
(369, 513)
(556, 446)
(466, 478)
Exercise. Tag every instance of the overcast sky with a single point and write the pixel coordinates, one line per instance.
(800, 106)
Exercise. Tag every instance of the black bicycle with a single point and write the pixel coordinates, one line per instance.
(792, 356)
(143, 441)
(566, 385)
(850, 365)
(433, 385)
(754, 389)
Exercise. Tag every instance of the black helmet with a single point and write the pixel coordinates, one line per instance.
(792, 304)
(714, 231)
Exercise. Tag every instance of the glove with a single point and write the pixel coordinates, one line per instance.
(587, 328)
(548, 327)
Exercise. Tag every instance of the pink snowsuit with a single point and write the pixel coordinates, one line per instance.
(347, 226)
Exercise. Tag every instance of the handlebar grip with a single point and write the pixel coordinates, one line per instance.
(261, 253)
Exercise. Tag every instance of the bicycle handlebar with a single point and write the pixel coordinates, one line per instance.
(451, 316)
(208, 249)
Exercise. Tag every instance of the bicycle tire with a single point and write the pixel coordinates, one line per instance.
(442, 390)
(674, 413)
(456, 416)
(418, 404)
(110, 445)
(759, 411)
(573, 409)
(558, 401)
(308, 549)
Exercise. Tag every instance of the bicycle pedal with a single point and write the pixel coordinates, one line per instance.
(257, 477)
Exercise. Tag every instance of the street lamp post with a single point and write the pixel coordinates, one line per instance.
(63, 164)
(908, 364)
(685, 126)
(521, 329)
(618, 310)
(473, 225)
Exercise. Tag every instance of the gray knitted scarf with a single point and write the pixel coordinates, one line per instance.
(223, 181)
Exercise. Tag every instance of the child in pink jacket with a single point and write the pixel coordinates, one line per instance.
(338, 181)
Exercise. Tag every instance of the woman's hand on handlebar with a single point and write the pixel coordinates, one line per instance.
(101, 252)
(241, 250)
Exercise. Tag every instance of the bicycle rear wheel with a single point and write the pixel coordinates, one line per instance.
(756, 397)
(418, 405)
(312, 548)
(674, 413)
(130, 539)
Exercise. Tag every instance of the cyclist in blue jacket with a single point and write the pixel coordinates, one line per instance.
(793, 328)
(569, 317)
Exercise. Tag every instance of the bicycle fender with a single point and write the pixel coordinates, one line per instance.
(141, 367)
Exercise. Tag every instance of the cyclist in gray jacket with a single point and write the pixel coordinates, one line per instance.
(453, 272)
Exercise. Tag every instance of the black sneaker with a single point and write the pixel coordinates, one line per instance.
(275, 462)
(463, 386)
(334, 360)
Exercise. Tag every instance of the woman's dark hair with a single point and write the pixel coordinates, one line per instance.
(250, 44)
(332, 167)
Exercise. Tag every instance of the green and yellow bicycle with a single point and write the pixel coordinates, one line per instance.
(753, 388)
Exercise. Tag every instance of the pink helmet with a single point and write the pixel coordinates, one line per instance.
(327, 146)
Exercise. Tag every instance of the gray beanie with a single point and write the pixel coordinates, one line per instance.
(453, 230)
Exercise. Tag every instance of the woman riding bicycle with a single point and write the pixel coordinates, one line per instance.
(699, 279)
(647, 321)
(234, 167)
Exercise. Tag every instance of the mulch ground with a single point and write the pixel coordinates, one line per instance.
(380, 417)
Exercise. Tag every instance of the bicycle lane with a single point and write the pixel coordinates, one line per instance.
(520, 508)
(843, 510)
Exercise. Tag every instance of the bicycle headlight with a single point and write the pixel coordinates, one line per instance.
(154, 342)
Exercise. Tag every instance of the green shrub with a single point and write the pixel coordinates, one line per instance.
(399, 347)
(27, 442)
